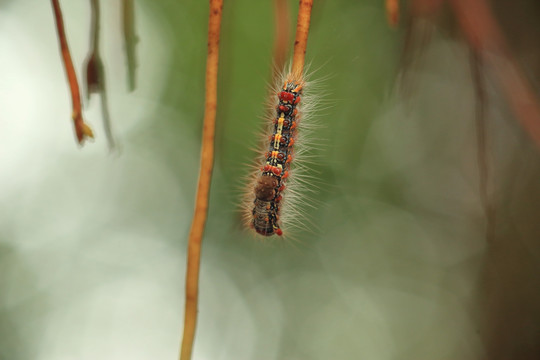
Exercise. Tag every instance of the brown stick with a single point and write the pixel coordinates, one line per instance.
(482, 144)
(300, 43)
(95, 72)
(94, 65)
(281, 40)
(392, 12)
(130, 40)
(207, 159)
(82, 130)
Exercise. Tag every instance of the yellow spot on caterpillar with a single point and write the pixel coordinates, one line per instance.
(277, 139)
(278, 132)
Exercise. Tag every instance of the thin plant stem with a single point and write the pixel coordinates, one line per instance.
(95, 72)
(94, 40)
(130, 40)
(481, 139)
(392, 12)
(281, 40)
(203, 188)
(94, 65)
(82, 130)
(105, 114)
(300, 43)
(282, 25)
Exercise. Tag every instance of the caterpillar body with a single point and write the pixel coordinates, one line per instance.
(264, 216)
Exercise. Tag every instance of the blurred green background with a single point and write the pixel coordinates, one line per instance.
(395, 265)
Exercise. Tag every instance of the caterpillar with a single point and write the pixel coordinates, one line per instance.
(268, 188)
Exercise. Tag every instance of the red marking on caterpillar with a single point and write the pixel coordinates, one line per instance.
(286, 96)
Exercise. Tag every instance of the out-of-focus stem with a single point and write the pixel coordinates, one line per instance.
(392, 12)
(94, 65)
(95, 72)
(484, 35)
(205, 175)
(481, 136)
(82, 130)
(107, 117)
(96, 15)
(281, 40)
(130, 40)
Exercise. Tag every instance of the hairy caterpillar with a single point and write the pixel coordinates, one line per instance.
(265, 199)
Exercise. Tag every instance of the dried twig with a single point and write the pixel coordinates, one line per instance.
(130, 40)
(82, 130)
(205, 174)
(281, 40)
(481, 136)
(94, 65)
(95, 72)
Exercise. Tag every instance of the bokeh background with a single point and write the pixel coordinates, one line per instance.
(395, 264)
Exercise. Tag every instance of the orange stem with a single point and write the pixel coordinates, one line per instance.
(205, 175)
(392, 12)
(81, 129)
(300, 43)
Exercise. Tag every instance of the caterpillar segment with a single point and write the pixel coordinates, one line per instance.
(270, 183)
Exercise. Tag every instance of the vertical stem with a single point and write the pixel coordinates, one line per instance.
(207, 159)
(94, 30)
(81, 129)
(94, 65)
(130, 40)
(392, 12)
(300, 43)
(95, 72)
(107, 124)
(281, 41)
(480, 116)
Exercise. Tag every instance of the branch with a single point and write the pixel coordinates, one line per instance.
(82, 130)
(207, 159)
(130, 40)
(482, 144)
(95, 73)
(392, 12)
(281, 40)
